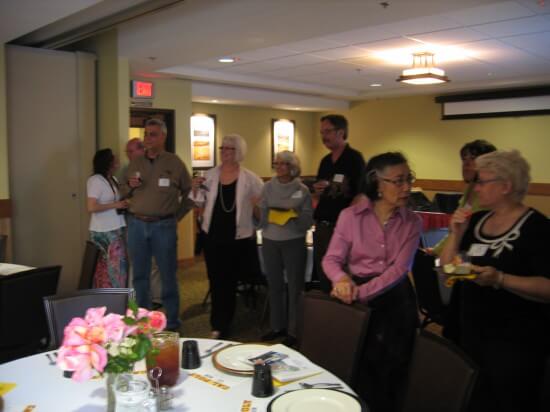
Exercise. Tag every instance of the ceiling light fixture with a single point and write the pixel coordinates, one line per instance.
(376, 85)
(226, 60)
(423, 71)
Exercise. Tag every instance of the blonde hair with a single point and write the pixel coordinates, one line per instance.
(510, 166)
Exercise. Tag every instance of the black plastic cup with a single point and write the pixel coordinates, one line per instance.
(190, 358)
(262, 384)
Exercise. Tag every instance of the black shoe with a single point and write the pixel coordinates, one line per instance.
(156, 305)
(290, 341)
(274, 334)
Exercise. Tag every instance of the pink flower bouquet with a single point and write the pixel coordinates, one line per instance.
(108, 343)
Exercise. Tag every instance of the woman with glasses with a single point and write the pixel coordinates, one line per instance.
(228, 193)
(368, 259)
(505, 311)
(107, 222)
(286, 214)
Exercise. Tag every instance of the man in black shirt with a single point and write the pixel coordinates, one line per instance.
(338, 180)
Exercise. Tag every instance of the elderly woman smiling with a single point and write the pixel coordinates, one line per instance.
(228, 193)
(368, 259)
(505, 324)
(285, 216)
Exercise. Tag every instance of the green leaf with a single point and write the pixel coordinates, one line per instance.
(132, 305)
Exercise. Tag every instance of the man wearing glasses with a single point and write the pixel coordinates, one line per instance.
(337, 183)
(159, 184)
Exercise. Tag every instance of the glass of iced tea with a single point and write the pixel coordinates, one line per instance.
(168, 358)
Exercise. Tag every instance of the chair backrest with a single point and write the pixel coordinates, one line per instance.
(60, 309)
(427, 287)
(332, 334)
(89, 263)
(22, 317)
(441, 376)
(446, 202)
(3, 247)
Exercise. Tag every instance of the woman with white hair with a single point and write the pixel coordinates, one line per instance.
(228, 194)
(505, 323)
(286, 214)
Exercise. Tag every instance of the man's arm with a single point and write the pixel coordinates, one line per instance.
(186, 204)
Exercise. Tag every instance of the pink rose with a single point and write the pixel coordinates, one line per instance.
(157, 320)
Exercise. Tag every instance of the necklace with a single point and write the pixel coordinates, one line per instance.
(222, 203)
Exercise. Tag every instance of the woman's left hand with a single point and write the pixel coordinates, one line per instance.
(488, 276)
(345, 290)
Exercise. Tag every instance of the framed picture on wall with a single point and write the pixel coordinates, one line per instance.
(203, 141)
(282, 136)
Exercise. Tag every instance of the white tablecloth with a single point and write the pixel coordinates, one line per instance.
(41, 384)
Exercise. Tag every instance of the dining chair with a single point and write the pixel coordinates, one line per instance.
(426, 284)
(441, 376)
(23, 326)
(3, 247)
(332, 334)
(89, 264)
(60, 309)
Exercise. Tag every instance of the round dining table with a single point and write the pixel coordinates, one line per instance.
(40, 386)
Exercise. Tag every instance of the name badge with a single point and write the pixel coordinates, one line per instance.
(297, 195)
(338, 178)
(478, 249)
(164, 182)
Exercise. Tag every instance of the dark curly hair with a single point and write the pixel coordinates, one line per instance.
(477, 148)
(103, 160)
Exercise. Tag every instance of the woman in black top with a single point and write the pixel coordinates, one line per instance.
(504, 318)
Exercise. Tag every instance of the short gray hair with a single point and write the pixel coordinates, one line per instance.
(157, 122)
(510, 166)
(292, 160)
(238, 143)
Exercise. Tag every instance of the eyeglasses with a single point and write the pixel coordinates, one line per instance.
(328, 131)
(400, 182)
(275, 164)
(226, 148)
(482, 182)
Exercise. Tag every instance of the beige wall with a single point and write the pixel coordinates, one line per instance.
(4, 178)
(254, 124)
(176, 95)
(413, 125)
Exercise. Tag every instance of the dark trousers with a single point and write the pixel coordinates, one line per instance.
(226, 263)
(321, 239)
(390, 337)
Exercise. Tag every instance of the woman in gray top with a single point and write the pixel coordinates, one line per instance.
(286, 214)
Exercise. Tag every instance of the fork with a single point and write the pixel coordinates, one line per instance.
(306, 385)
(211, 350)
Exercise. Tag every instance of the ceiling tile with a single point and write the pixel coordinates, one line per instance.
(515, 27)
(252, 67)
(364, 35)
(347, 52)
(498, 52)
(265, 54)
(419, 25)
(538, 43)
(453, 36)
(311, 45)
(489, 13)
(296, 60)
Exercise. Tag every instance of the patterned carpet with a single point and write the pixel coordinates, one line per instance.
(196, 316)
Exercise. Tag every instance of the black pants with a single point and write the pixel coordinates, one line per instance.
(387, 352)
(227, 263)
(321, 239)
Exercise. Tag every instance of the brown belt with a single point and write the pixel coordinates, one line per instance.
(149, 219)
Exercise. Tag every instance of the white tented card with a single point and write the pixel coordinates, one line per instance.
(478, 249)
(164, 182)
(338, 178)
(297, 195)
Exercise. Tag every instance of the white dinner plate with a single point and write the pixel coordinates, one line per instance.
(316, 400)
(234, 359)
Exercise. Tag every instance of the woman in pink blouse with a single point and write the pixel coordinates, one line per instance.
(370, 254)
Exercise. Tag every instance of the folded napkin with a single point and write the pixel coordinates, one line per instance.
(280, 217)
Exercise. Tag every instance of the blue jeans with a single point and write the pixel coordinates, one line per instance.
(158, 239)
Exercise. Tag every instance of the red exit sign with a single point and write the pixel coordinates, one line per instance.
(142, 90)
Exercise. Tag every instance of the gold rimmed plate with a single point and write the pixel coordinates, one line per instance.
(315, 400)
(234, 359)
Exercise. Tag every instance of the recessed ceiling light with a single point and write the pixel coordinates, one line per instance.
(296, 108)
(226, 60)
(376, 85)
(215, 101)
